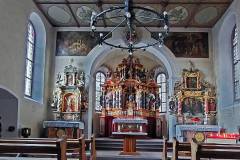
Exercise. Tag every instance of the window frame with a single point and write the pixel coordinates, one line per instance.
(235, 63)
(96, 91)
(29, 60)
(160, 92)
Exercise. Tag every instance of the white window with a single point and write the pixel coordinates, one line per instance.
(35, 59)
(162, 82)
(100, 80)
(236, 64)
(29, 60)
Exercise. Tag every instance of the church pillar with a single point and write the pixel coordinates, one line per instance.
(172, 121)
(91, 106)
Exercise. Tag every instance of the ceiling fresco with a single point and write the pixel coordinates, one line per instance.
(182, 13)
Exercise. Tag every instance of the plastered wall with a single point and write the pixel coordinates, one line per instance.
(14, 16)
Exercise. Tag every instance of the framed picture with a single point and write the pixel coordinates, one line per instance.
(191, 82)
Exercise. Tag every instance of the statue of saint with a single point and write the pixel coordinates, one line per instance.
(151, 99)
(139, 97)
(81, 80)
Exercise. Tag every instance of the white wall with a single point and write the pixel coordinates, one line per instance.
(99, 56)
(228, 108)
(14, 16)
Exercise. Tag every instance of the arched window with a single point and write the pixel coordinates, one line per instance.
(236, 64)
(29, 59)
(100, 79)
(162, 82)
(35, 58)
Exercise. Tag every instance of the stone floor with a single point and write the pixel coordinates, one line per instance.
(115, 155)
(102, 155)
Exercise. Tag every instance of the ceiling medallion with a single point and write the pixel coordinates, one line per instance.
(84, 13)
(59, 14)
(206, 15)
(177, 14)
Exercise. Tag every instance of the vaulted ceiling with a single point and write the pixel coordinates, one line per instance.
(182, 13)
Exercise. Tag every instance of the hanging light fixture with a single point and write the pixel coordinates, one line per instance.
(130, 18)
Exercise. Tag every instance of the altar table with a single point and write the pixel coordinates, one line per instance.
(191, 129)
(130, 129)
(72, 129)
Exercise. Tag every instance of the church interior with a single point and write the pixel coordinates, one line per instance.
(122, 78)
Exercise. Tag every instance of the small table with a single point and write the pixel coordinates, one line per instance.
(58, 128)
(129, 142)
(191, 129)
(130, 129)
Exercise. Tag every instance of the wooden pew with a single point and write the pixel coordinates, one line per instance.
(178, 149)
(53, 147)
(80, 145)
(166, 146)
(74, 146)
(217, 151)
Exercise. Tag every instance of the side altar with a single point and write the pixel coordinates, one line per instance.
(68, 104)
(130, 92)
(194, 105)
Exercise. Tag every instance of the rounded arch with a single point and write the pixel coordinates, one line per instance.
(98, 54)
(39, 27)
(9, 117)
(225, 72)
(39, 57)
(163, 54)
(104, 69)
(9, 91)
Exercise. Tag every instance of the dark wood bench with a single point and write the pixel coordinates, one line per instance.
(217, 151)
(178, 149)
(57, 147)
(184, 148)
(75, 147)
(84, 144)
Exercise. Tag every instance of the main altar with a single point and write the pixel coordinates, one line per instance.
(194, 105)
(67, 105)
(130, 94)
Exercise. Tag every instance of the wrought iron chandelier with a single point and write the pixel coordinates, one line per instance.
(128, 14)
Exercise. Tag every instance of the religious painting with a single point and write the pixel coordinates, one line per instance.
(211, 105)
(70, 103)
(187, 44)
(193, 106)
(191, 79)
(191, 82)
(76, 43)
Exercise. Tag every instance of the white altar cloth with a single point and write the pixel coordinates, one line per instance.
(130, 120)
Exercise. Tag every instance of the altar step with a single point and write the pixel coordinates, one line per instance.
(153, 145)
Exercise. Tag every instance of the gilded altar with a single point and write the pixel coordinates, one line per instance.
(195, 99)
(69, 99)
(68, 104)
(129, 92)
